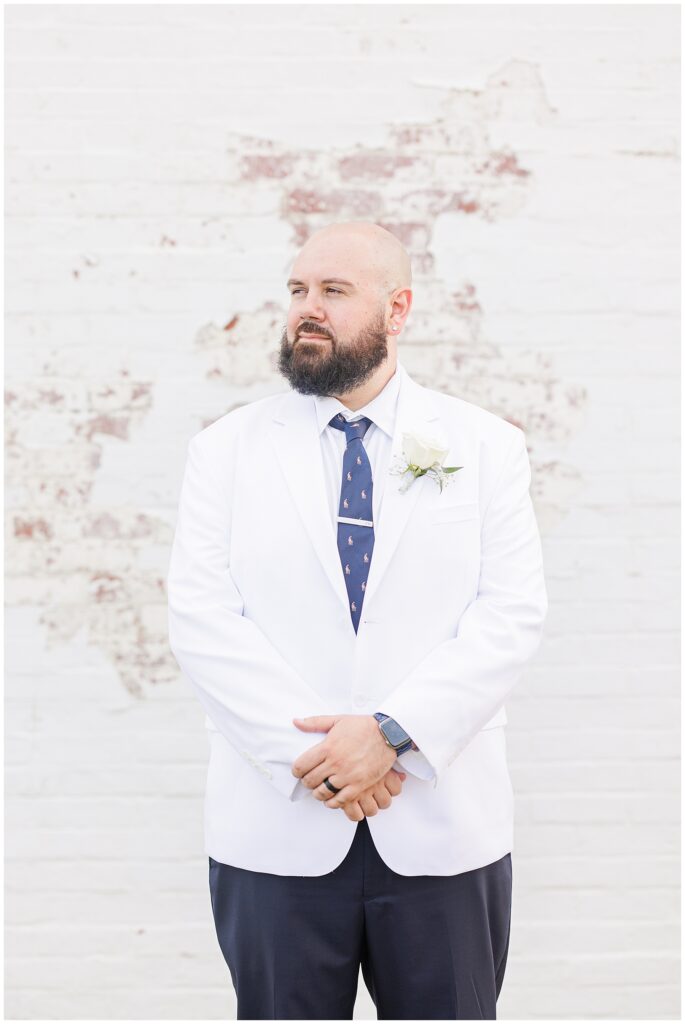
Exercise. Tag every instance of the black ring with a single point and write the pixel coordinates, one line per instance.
(329, 785)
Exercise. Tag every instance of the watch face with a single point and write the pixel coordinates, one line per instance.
(395, 734)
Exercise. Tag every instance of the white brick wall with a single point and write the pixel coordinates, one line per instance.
(163, 163)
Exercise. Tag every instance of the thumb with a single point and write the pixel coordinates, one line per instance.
(315, 723)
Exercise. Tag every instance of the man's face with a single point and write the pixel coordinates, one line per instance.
(352, 340)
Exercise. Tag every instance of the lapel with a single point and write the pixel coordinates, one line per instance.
(297, 444)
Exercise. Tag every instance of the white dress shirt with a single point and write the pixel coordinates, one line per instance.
(377, 441)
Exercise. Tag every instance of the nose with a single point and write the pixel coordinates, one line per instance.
(312, 307)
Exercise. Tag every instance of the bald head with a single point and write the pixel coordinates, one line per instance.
(372, 256)
(350, 294)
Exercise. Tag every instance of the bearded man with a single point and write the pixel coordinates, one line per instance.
(356, 585)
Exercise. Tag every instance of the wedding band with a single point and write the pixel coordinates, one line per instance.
(329, 785)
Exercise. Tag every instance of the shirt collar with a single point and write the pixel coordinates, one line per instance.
(381, 410)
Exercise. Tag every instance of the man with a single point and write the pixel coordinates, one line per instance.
(352, 628)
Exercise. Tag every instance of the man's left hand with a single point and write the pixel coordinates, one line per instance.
(353, 756)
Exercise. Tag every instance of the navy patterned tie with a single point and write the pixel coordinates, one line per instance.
(355, 514)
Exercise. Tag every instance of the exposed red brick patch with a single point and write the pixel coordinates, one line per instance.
(412, 234)
(105, 526)
(107, 587)
(464, 300)
(253, 166)
(140, 390)
(461, 204)
(434, 201)
(51, 397)
(303, 201)
(231, 323)
(114, 426)
(32, 529)
(500, 163)
(411, 134)
(373, 163)
(108, 527)
(337, 202)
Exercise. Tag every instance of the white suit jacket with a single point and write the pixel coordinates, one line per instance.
(259, 623)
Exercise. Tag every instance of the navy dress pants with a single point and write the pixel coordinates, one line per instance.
(431, 947)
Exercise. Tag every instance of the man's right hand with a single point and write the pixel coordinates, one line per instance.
(377, 797)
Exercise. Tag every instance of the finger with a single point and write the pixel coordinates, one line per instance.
(346, 794)
(368, 804)
(322, 792)
(392, 786)
(353, 811)
(315, 723)
(314, 778)
(382, 798)
(393, 780)
(309, 760)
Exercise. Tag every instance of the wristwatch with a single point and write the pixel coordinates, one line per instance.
(393, 734)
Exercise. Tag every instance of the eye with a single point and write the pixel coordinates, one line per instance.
(329, 289)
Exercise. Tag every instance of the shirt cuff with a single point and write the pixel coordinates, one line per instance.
(415, 762)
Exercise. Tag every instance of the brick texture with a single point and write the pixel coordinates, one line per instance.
(164, 165)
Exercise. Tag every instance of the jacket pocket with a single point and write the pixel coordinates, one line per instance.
(454, 513)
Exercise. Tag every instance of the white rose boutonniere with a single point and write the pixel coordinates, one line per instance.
(423, 454)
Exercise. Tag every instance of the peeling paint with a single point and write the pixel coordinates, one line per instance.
(33, 529)
(416, 174)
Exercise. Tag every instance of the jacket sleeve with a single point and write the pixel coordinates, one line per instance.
(445, 700)
(250, 693)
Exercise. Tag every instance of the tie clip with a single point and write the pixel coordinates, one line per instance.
(355, 522)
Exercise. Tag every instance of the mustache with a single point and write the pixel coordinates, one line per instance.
(312, 329)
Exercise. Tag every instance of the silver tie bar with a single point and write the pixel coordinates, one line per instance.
(355, 522)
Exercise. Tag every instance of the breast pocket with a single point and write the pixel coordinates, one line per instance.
(453, 513)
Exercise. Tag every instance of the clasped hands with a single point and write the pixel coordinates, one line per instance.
(355, 759)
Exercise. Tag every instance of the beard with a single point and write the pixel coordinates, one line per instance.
(326, 368)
